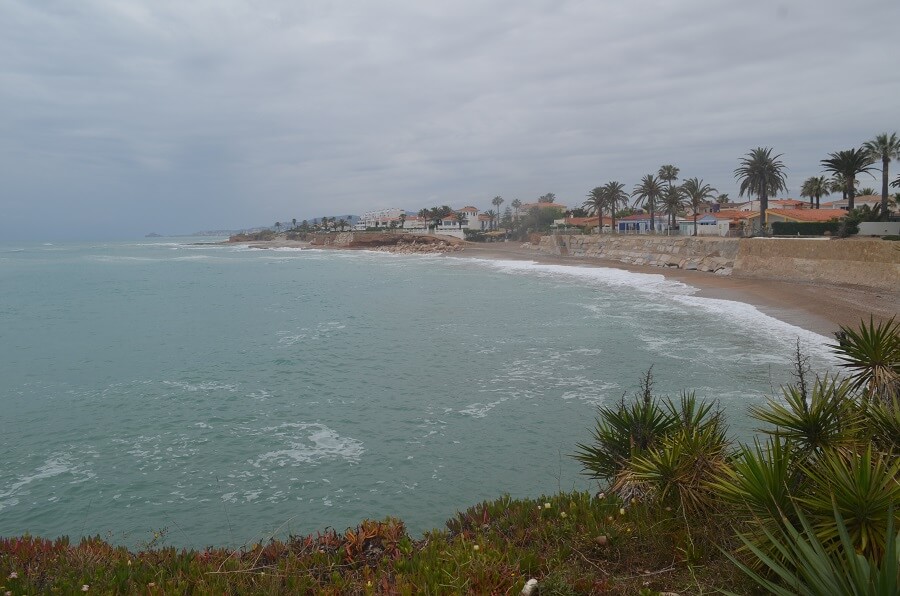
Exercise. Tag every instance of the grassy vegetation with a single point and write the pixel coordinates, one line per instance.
(809, 508)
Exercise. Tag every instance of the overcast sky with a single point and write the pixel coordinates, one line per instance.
(122, 117)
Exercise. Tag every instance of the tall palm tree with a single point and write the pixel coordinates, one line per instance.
(293, 223)
(815, 187)
(848, 164)
(496, 202)
(492, 214)
(277, 227)
(761, 173)
(615, 196)
(516, 205)
(669, 174)
(343, 222)
(461, 216)
(648, 192)
(596, 199)
(697, 192)
(884, 147)
(673, 201)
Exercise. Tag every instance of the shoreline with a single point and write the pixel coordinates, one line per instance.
(819, 308)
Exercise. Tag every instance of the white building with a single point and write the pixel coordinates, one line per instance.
(379, 219)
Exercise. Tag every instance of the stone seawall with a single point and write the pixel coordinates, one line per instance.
(703, 254)
(854, 261)
(863, 262)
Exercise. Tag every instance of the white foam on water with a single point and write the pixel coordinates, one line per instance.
(309, 443)
(728, 312)
(55, 465)
(206, 386)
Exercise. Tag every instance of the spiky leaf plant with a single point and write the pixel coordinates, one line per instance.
(863, 486)
(680, 469)
(828, 418)
(884, 425)
(806, 567)
(872, 355)
(624, 431)
(760, 479)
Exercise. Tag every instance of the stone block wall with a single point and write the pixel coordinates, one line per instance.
(870, 263)
(703, 254)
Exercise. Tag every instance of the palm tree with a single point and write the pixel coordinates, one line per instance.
(848, 164)
(492, 214)
(343, 223)
(669, 174)
(815, 187)
(615, 196)
(547, 198)
(648, 192)
(673, 201)
(761, 174)
(460, 216)
(277, 227)
(496, 202)
(884, 147)
(697, 192)
(516, 205)
(722, 199)
(402, 221)
(594, 204)
(293, 223)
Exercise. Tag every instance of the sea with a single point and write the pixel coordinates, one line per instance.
(182, 392)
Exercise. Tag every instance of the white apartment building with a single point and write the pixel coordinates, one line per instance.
(381, 218)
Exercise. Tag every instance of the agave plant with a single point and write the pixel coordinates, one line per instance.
(805, 566)
(872, 354)
(828, 418)
(863, 486)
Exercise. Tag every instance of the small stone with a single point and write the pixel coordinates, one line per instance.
(601, 540)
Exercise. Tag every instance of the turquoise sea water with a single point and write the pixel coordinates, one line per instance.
(225, 393)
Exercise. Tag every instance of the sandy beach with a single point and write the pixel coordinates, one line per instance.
(815, 307)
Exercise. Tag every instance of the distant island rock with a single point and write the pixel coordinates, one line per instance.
(153, 235)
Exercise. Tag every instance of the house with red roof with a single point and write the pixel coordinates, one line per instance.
(804, 215)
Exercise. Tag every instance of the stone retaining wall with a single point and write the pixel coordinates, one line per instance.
(703, 254)
(864, 262)
(855, 261)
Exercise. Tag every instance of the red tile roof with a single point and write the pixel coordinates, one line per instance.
(808, 214)
(527, 206)
(585, 221)
(789, 203)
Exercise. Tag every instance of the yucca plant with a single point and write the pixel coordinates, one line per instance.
(680, 468)
(884, 425)
(805, 566)
(759, 481)
(863, 486)
(829, 417)
(872, 355)
(624, 431)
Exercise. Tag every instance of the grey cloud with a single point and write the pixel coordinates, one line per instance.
(128, 116)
